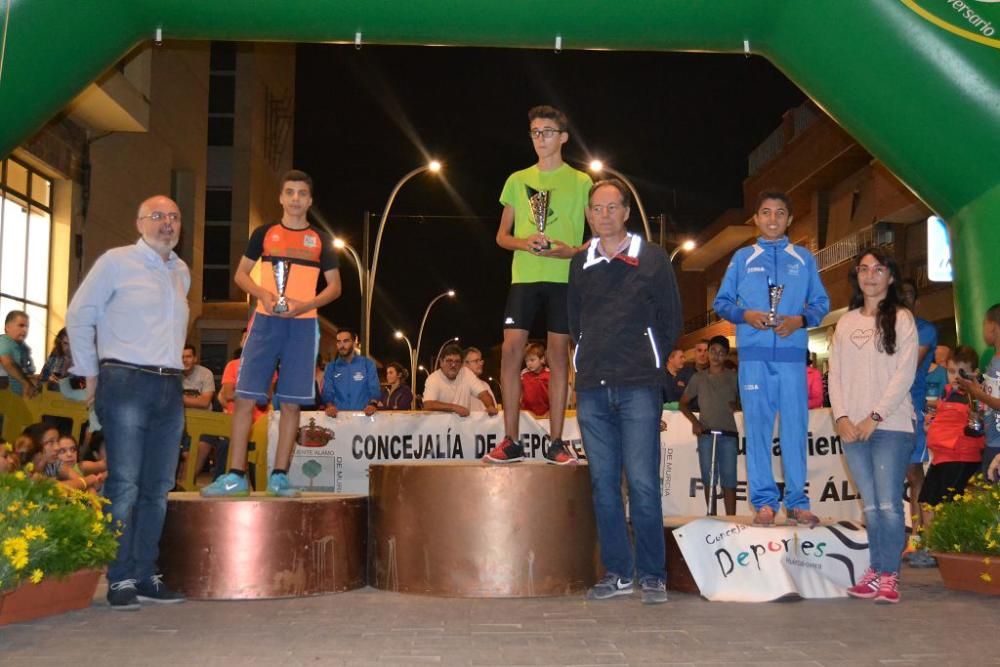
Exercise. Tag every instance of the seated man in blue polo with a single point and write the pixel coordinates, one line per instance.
(350, 381)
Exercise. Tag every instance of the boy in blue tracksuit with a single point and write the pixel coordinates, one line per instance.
(772, 370)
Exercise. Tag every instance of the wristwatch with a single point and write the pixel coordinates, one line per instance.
(876, 417)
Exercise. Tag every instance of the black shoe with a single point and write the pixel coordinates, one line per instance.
(122, 595)
(560, 454)
(154, 590)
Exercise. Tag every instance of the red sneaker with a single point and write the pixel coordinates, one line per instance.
(560, 454)
(888, 588)
(867, 588)
(507, 451)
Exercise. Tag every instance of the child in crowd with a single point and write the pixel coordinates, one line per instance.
(93, 472)
(535, 381)
(8, 459)
(956, 451)
(38, 445)
(718, 393)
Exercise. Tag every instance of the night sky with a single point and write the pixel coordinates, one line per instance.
(679, 126)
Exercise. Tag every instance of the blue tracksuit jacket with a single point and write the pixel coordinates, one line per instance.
(772, 369)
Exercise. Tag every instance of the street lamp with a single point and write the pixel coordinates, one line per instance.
(341, 244)
(434, 167)
(413, 358)
(420, 333)
(597, 166)
(687, 246)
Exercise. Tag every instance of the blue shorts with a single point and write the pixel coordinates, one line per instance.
(920, 454)
(287, 344)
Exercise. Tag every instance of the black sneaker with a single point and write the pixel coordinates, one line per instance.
(611, 585)
(154, 590)
(122, 595)
(654, 590)
(560, 454)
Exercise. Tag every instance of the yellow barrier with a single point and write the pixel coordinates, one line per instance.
(19, 412)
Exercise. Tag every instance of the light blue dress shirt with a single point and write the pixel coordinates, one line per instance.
(135, 305)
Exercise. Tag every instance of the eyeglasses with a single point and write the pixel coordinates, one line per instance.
(877, 269)
(160, 216)
(599, 209)
(451, 362)
(547, 132)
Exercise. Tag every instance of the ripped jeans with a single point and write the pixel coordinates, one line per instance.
(878, 467)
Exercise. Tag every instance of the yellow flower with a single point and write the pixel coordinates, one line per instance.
(985, 576)
(7, 447)
(33, 532)
(32, 505)
(97, 528)
(107, 518)
(14, 506)
(19, 474)
(36, 576)
(29, 467)
(957, 548)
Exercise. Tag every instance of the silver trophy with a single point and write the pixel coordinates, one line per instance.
(774, 293)
(539, 202)
(281, 269)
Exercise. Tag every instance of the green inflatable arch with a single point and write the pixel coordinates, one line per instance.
(917, 82)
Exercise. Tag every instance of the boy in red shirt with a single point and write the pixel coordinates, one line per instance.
(535, 381)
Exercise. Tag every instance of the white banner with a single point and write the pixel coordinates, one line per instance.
(733, 562)
(334, 454)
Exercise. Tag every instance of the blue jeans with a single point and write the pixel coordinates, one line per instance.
(725, 460)
(621, 427)
(142, 416)
(878, 467)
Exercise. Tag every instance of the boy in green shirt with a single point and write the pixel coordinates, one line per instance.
(539, 273)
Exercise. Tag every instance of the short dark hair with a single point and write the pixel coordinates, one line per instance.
(993, 313)
(617, 184)
(297, 175)
(549, 113)
(721, 341)
(190, 346)
(449, 350)
(773, 194)
(14, 314)
(349, 330)
(964, 354)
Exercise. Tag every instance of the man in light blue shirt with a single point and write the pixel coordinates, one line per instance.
(350, 382)
(127, 324)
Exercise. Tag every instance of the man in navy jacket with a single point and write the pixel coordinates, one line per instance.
(624, 315)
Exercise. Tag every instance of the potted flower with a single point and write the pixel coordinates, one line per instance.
(53, 542)
(964, 537)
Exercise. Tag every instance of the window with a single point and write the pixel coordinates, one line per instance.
(25, 232)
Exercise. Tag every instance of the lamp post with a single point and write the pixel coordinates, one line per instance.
(597, 166)
(413, 358)
(420, 333)
(341, 244)
(434, 167)
(687, 246)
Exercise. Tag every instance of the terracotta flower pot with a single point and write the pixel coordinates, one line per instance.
(970, 572)
(48, 597)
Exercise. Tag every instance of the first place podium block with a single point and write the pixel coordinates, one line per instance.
(468, 529)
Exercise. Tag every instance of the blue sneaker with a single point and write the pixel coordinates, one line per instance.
(278, 485)
(228, 485)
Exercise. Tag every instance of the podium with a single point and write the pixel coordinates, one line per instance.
(468, 529)
(262, 547)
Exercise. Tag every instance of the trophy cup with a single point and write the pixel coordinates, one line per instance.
(539, 202)
(774, 293)
(281, 269)
(975, 427)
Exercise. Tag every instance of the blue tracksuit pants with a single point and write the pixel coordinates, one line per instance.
(766, 389)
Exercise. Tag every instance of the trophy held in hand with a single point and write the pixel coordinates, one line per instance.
(539, 202)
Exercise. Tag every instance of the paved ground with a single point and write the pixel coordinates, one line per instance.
(932, 626)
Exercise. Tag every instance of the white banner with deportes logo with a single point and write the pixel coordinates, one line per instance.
(734, 562)
(334, 454)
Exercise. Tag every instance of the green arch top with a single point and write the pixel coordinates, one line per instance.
(917, 82)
